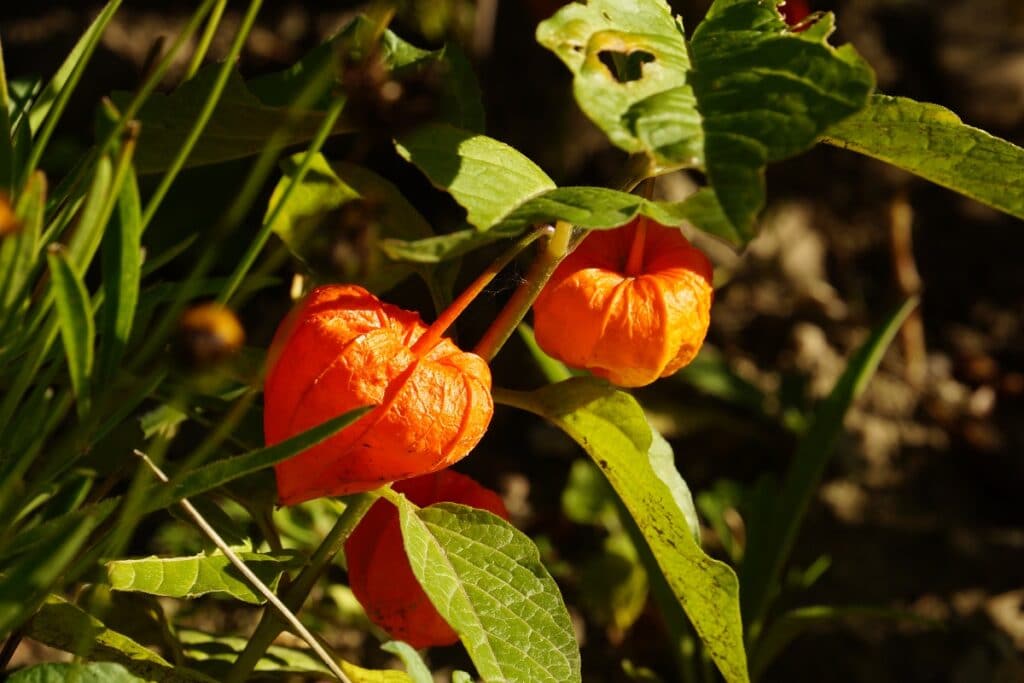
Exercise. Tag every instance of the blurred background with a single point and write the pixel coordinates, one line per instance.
(923, 506)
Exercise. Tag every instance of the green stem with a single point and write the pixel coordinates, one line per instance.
(204, 40)
(519, 305)
(258, 242)
(204, 115)
(270, 623)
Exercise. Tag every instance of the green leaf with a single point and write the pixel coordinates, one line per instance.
(612, 428)
(98, 672)
(64, 626)
(414, 666)
(486, 579)
(768, 550)
(486, 177)
(18, 252)
(218, 473)
(190, 577)
(754, 93)
(77, 330)
(122, 273)
(93, 216)
(82, 50)
(613, 585)
(587, 38)
(341, 204)
(932, 142)
(794, 623)
(27, 581)
(240, 126)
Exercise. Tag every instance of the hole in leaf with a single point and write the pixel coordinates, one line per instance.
(625, 66)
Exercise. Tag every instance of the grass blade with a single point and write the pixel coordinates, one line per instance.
(122, 274)
(768, 551)
(77, 330)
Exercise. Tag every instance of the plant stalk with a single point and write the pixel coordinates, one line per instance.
(270, 625)
(522, 299)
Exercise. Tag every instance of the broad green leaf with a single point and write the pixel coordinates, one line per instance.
(768, 550)
(221, 472)
(122, 273)
(591, 208)
(486, 579)
(335, 219)
(612, 428)
(590, 37)
(240, 126)
(414, 666)
(747, 92)
(190, 577)
(934, 143)
(486, 177)
(663, 462)
(97, 672)
(447, 69)
(782, 631)
(62, 625)
(77, 329)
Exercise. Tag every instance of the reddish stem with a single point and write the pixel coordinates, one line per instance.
(433, 335)
(635, 261)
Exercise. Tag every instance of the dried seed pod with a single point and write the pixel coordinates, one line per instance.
(210, 334)
(630, 304)
(9, 223)
(379, 572)
(343, 348)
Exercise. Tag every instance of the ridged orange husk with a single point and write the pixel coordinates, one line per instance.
(344, 348)
(379, 572)
(628, 327)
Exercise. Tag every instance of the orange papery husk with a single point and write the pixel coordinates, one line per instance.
(378, 569)
(630, 327)
(343, 348)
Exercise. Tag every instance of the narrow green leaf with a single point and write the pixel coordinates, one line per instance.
(82, 50)
(767, 552)
(414, 666)
(122, 273)
(612, 428)
(486, 579)
(190, 577)
(932, 142)
(218, 473)
(77, 331)
(92, 218)
(97, 672)
(7, 171)
(27, 581)
(795, 623)
(18, 252)
(486, 177)
(64, 626)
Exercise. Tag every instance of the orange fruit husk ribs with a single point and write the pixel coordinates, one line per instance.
(630, 304)
(343, 348)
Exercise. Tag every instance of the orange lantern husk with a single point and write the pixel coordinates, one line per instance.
(630, 304)
(343, 348)
(379, 571)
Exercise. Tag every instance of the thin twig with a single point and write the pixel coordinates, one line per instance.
(261, 587)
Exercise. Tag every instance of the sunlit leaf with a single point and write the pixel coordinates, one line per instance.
(97, 672)
(934, 143)
(190, 577)
(486, 579)
(611, 427)
(77, 330)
